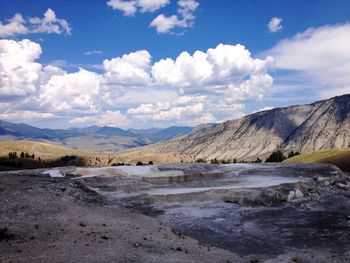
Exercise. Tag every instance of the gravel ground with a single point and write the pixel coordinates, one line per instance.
(45, 219)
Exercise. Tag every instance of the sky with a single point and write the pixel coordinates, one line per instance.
(158, 63)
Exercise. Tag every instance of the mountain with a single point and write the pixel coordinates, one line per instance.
(145, 132)
(304, 128)
(169, 133)
(172, 132)
(26, 131)
(92, 138)
(163, 134)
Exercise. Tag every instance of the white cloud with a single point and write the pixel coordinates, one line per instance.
(19, 73)
(193, 88)
(186, 9)
(93, 52)
(217, 70)
(164, 24)
(69, 91)
(113, 119)
(212, 85)
(152, 5)
(275, 24)
(50, 24)
(184, 19)
(26, 115)
(320, 56)
(189, 110)
(130, 69)
(108, 118)
(83, 120)
(15, 26)
(130, 7)
(167, 111)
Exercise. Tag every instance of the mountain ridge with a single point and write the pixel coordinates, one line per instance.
(305, 128)
(92, 138)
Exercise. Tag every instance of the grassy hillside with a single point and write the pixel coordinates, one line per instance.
(46, 151)
(55, 155)
(338, 157)
(47, 155)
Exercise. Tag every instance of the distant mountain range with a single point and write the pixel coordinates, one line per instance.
(107, 139)
(305, 128)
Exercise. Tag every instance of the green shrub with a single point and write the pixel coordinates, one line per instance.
(276, 157)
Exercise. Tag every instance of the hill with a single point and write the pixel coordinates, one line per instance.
(42, 154)
(93, 138)
(47, 151)
(303, 128)
(338, 157)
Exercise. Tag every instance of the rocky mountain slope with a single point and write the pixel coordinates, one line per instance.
(305, 128)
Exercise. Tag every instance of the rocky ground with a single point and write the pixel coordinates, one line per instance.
(45, 219)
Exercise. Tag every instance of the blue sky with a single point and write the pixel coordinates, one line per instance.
(301, 58)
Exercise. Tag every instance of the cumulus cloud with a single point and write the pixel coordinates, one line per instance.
(130, 7)
(219, 69)
(319, 56)
(71, 91)
(130, 69)
(19, 73)
(50, 24)
(212, 85)
(184, 19)
(190, 89)
(275, 24)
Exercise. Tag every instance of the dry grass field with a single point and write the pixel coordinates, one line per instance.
(338, 157)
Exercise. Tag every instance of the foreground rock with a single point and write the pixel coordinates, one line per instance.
(45, 219)
(265, 212)
(254, 213)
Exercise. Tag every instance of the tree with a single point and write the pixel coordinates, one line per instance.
(12, 155)
(22, 154)
(139, 163)
(32, 156)
(258, 160)
(214, 161)
(150, 162)
(276, 157)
